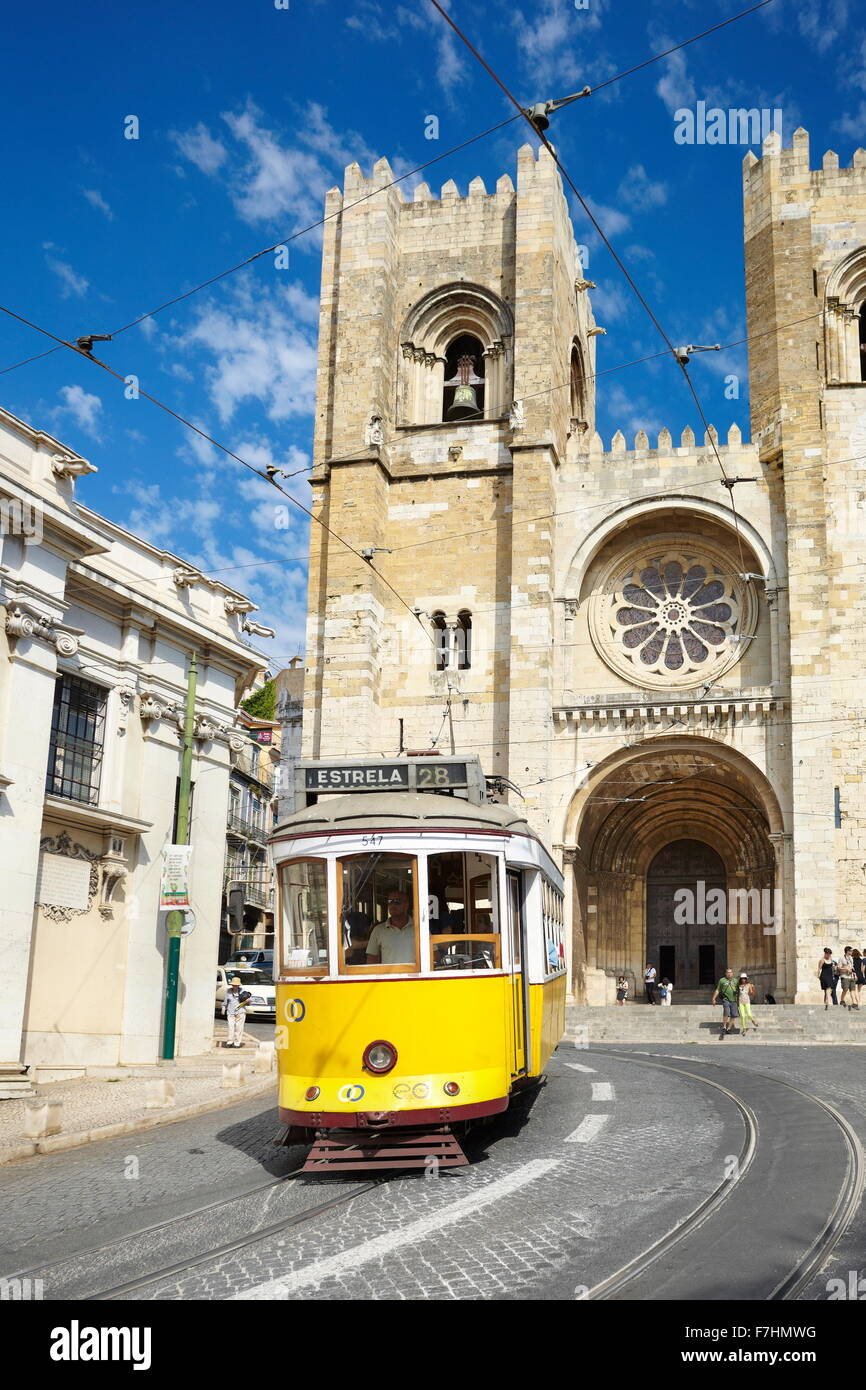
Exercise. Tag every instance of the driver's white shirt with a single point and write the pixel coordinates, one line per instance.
(393, 945)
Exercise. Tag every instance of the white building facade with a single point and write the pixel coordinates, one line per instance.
(97, 629)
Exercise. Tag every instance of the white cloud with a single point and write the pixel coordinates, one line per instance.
(821, 24)
(268, 564)
(675, 87)
(200, 148)
(640, 192)
(549, 37)
(96, 200)
(84, 408)
(610, 304)
(853, 124)
(72, 283)
(148, 327)
(611, 220)
(259, 351)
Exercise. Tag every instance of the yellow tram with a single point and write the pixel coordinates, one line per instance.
(419, 960)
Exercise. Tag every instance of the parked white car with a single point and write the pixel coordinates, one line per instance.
(263, 1003)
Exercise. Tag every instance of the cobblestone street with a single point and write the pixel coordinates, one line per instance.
(609, 1156)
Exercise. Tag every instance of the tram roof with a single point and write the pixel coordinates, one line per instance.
(375, 810)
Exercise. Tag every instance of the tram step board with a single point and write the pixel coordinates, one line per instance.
(333, 1152)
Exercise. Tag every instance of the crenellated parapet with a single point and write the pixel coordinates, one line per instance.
(688, 447)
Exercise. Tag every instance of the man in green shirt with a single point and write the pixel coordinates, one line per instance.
(726, 991)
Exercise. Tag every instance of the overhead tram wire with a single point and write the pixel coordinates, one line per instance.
(419, 168)
(729, 483)
(61, 342)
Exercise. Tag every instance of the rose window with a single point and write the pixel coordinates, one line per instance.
(673, 615)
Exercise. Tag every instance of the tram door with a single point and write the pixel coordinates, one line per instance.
(516, 928)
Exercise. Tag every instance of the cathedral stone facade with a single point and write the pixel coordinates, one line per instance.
(663, 670)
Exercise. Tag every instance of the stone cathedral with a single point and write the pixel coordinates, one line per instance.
(662, 670)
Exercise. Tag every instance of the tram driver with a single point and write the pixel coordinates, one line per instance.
(392, 941)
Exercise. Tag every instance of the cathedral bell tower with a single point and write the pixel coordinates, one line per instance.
(455, 376)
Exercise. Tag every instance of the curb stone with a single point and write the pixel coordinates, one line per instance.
(60, 1142)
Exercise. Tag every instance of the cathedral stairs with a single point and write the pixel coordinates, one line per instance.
(701, 1023)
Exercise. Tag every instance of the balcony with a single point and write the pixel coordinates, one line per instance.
(255, 764)
(257, 892)
(248, 828)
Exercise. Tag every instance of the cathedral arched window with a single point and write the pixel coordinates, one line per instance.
(456, 344)
(463, 394)
(463, 639)
(578, 386)
(441, 641)
(845, 321)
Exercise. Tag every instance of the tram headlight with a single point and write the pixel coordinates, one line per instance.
(451, 1088)
(311, 1093)
(379, 1057)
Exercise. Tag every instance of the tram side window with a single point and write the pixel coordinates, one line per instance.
(378, 914)
(464, 912)
(553, 919)
(304, 898)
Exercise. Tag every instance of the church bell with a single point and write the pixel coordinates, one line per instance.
(463, 405)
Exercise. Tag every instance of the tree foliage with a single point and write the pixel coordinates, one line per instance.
(263, 704)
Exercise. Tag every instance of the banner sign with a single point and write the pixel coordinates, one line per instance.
(385, 777)
(174, 881)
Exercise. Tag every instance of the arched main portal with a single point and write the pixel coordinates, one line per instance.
(687, 809)
(686, 925)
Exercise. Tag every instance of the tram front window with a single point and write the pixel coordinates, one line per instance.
(378, 913)
(464, 912)
(304, 899)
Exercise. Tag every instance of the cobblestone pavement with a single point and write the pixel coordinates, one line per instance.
(591, 1205)
(542, 1212)
(837, 1075)
(119, 1094)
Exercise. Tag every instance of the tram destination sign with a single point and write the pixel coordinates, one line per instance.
(386, 777)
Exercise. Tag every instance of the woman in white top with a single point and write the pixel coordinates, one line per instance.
(667, 991)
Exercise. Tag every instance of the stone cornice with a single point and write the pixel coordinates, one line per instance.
(657, 716)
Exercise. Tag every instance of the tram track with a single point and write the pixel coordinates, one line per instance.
(652, 1270)
(95, 1253)
(762, 1198)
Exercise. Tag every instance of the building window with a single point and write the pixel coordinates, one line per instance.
(463, 636)
(454, 322)
(845, 320)
(441, 638)
(463, 394)
(672, 617)
(77, 734)
(578, 386)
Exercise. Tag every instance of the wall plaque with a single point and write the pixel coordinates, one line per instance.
(63, 882)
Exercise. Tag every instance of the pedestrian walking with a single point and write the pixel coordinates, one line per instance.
(726, 993)
(621, 990)
(859, 972)
(827, 977)
(745, 995)
(848, 980)
(667, 992)
(649, 980)
(234, 1010)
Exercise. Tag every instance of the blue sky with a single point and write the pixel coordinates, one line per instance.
(248, 113)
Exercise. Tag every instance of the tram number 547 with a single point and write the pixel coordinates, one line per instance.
(371, 839)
